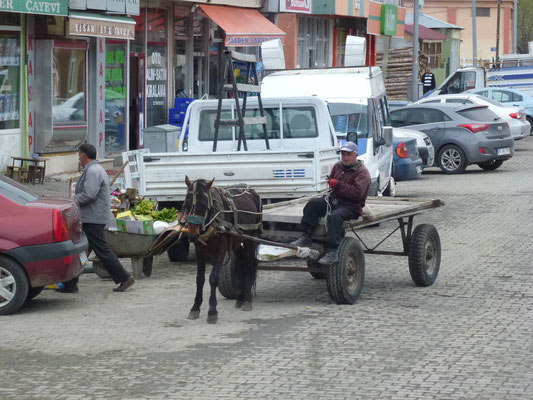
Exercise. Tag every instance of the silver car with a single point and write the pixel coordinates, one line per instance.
(423, 143)
(461, 134)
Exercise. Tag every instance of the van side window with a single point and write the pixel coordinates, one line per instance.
(299, 123)
(379, 116)
(206, 130)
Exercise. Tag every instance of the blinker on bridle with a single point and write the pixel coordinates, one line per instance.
(191, 217)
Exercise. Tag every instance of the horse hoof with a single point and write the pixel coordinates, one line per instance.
(194, 315)
(247, 306)
(238, 303)
(212, 318)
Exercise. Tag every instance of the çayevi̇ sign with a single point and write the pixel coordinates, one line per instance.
(45, 7)
(299, 6)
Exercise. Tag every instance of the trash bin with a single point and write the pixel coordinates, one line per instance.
(161, 138)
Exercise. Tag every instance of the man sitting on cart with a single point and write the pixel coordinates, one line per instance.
(349, 182)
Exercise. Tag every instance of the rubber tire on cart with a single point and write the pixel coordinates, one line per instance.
(34, 292)
(15, 282)
(315, 264)
(346, 276)
(424, 255)
(454, 159)
(490, 165)
(225, 277)
(99, 269)
(179, 251)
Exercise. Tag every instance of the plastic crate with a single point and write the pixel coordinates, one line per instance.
(176, 116)
(182, 103)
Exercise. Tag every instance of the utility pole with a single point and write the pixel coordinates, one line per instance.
(474, 33)
(416, 48)
(498, 32)
(515, 27)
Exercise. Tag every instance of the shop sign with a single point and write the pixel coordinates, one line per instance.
(248, 40)
(389, 19)
(108, 29)
(118, 6)
(296, 6)
(133, 7)
(43, 7)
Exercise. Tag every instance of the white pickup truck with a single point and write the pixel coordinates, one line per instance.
(301, 137)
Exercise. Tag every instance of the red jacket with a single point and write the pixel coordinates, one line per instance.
(352, 185)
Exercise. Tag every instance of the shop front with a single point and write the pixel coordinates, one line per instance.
(15, 69)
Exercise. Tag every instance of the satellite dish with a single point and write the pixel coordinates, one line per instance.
(355, 51)
(272, 54)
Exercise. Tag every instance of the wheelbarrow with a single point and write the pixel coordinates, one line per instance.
(135, 246)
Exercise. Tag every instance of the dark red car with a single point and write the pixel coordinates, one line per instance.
(41, 243)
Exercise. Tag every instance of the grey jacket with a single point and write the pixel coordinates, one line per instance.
(92, 194)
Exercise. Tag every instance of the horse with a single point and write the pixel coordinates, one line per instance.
(215, 219)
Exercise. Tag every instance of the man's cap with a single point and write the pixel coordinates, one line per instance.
(349, 146)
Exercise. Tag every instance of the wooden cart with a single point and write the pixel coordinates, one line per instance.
(345, 278)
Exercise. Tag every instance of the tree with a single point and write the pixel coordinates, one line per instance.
(525, 27)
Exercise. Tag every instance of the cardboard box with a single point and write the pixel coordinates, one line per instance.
(139, 227)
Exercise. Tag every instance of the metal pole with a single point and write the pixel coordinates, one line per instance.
(498, 32)
(474, 33)
(515, 27)
(416, 48)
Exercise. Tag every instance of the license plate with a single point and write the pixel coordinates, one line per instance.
(83, 258)
(503, 151)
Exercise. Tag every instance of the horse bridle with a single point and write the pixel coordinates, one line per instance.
(194, 219)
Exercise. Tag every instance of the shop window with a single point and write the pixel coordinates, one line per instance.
(69, 107)
(156, 69)
(115, 96)
(482, 12)
(9, 80)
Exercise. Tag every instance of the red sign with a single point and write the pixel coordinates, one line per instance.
(297, 6)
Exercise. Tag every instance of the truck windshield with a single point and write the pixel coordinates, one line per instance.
(349, 118)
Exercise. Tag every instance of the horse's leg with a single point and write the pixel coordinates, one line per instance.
(249, 261)
(201, 260)
(212, 314)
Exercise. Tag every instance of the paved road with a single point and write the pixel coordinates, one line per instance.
(467, 337)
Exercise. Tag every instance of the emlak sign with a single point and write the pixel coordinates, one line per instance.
(295, 6)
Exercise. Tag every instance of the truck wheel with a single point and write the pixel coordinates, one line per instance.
(345, 277)
(14, 286)
(34, 292)
(100, 270)
(390, 190)
(490, 165)
(451, 159)
(315, 264)
(225, 278)
(179, 251)
(424, 255)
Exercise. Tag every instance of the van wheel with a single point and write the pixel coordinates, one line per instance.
(452, 159)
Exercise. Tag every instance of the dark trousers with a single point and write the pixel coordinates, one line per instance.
(97, 243)
(317, 208)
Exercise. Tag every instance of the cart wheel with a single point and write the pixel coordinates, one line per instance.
(315, 264)
(345, 277)
(424, 255)
(179, 251)
(225, 281)
(148, 263)
(100, 270)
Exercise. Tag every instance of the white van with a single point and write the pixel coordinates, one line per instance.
(358, 107)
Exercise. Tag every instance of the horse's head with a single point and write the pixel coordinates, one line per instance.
(197, 206)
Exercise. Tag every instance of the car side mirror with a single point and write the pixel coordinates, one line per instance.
(387, 135)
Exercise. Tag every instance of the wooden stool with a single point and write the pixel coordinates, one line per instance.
(36, 173)
(10, 171)
(22, 174)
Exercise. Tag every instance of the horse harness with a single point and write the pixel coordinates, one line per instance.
(217, 204)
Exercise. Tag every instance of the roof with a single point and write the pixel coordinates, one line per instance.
(430, 22)
(426, 33)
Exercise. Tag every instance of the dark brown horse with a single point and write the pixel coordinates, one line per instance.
(211, 212)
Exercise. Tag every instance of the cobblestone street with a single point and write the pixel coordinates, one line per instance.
(469, 336)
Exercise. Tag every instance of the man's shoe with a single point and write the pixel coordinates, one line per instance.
(303, 241)
(125, 285)
(66, 289)
(329, 258)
